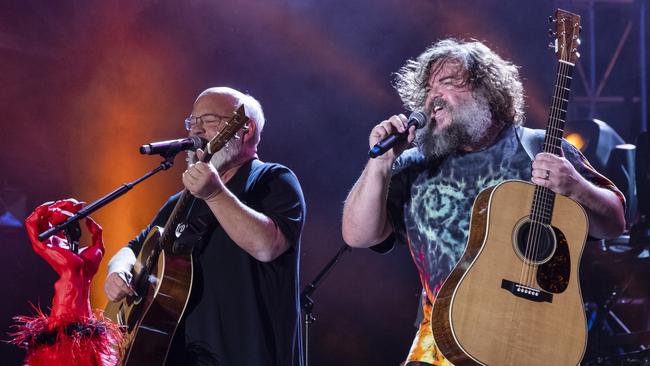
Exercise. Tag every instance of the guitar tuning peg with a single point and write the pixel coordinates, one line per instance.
(551, 33)
(551, 45)
(577, 54)
(579, 29)
(578, 41)
(551, 20)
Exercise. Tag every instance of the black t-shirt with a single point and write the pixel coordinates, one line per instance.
(241, 311)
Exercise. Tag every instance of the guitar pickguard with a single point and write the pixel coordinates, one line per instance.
(553, 276)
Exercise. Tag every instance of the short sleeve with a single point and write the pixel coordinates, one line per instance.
(277, 194)
(584, 168)
(398, 194)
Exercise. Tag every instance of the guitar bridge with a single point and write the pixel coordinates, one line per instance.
(526, 292)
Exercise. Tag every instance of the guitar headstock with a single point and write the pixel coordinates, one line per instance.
(234, 124)
(567, 31)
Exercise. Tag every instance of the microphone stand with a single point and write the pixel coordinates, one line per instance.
(71, 225)
(307, 303)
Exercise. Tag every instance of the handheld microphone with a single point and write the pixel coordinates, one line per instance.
(171, 147)
(417, 119)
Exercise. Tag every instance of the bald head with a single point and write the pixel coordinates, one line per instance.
(226, 98)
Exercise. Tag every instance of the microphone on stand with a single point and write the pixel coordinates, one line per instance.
(417, 119)
(172, 147)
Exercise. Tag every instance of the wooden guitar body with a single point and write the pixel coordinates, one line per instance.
(152, 317)
(494, 309)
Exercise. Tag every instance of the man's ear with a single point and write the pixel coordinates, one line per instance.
(248, 131)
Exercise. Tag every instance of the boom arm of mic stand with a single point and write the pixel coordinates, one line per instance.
(166, 164)
(306, 303)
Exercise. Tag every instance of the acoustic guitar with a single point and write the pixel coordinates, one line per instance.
(162, 277)
(514, 297)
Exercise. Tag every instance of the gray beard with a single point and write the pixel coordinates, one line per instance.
(222, 157)
(470, 123)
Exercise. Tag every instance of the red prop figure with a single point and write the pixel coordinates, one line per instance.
(72, 334)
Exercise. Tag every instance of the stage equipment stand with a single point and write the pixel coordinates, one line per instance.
(307, 303)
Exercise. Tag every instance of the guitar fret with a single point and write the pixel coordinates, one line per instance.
(543, 203)
(555, 129)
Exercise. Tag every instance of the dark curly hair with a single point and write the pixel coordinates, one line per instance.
(487, 73)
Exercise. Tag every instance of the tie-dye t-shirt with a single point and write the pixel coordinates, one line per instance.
(430, 201)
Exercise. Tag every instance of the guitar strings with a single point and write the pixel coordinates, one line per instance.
(528, 265)
(551, 145)
(544, 196)
(554, 146)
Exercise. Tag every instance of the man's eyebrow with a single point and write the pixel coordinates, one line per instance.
(452, 77)
(210, 114)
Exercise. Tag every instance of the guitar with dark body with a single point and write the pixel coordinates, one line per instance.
(162, 277)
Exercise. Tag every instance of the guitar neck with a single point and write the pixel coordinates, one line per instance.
(178, 216)
(181, 210)
(544, 198)
(557, 117)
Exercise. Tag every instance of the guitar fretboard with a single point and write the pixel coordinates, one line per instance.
(544, 198)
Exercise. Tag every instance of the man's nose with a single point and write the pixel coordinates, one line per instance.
(436, 89)
(198, 128)
(434, 103)
(433, 94)
(197, 131)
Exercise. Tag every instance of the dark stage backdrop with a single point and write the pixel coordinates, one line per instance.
(84, 83)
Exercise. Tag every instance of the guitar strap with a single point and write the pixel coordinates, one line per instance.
(198, 227)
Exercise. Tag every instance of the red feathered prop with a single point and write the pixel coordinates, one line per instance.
(72, 334)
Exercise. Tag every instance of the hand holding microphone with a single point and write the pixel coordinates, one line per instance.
(395, 133)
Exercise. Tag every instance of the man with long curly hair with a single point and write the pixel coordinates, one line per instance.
(473, 139)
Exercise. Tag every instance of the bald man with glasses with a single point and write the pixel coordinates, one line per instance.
(243, 308)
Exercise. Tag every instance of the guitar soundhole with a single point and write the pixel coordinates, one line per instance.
(534, 242)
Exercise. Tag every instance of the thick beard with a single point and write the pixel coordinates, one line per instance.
(470, 123)
(222, 157)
